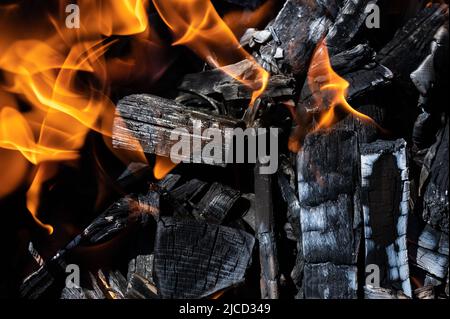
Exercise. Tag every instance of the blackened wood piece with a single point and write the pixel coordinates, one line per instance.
(327, 166)
(431, 261)
(412, 41)
(297, 29)
(385, 190)
(112, 221)
(216, 203)
(383, 293)
(434, 181)
(352, 59)
(349, 21)
(151, 120)
(264, 223)
(188, 190)
(140, 288)
(328, 231)
(330, 281)
(327, 176)
(367, 132)
(195, 259)
(361, 81)
(430, 252)
(140, 265)
(218, 81)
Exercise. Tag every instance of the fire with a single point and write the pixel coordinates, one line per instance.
(329, 89)
(196, 24)
(43, 69)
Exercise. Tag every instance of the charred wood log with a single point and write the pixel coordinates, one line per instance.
(195, 259)
(217, 81)
(330, 281)
(292, 44)
(385, 203)
(348, 23)
(327, 175)
(151, 121)
(413, 41)
(264, 223)
(434, 182)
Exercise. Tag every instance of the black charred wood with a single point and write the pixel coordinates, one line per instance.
(195, 259)
(385, 190)
(150, 121)
(412, 41)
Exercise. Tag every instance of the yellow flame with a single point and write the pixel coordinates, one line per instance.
(196, 24)
(44, 70)
(329, 89)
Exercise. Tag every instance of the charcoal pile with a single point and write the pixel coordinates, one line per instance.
(357, 206)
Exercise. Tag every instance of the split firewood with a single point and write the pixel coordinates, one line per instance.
(151, 120)
(195, 259)
(385, 200)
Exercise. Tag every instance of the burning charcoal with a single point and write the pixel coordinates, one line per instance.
(412, 41)
(367, 133)
(218, 81)
(361, 82)
(151, 120)
(195, 259)
(327, 176)
(383, 293)
(216, 203)
(385, 204)
(330, 281)
(297, 38)
(349, 21)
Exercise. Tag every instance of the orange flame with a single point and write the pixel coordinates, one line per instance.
(44, 70)
(196, 24)
(329, 89)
